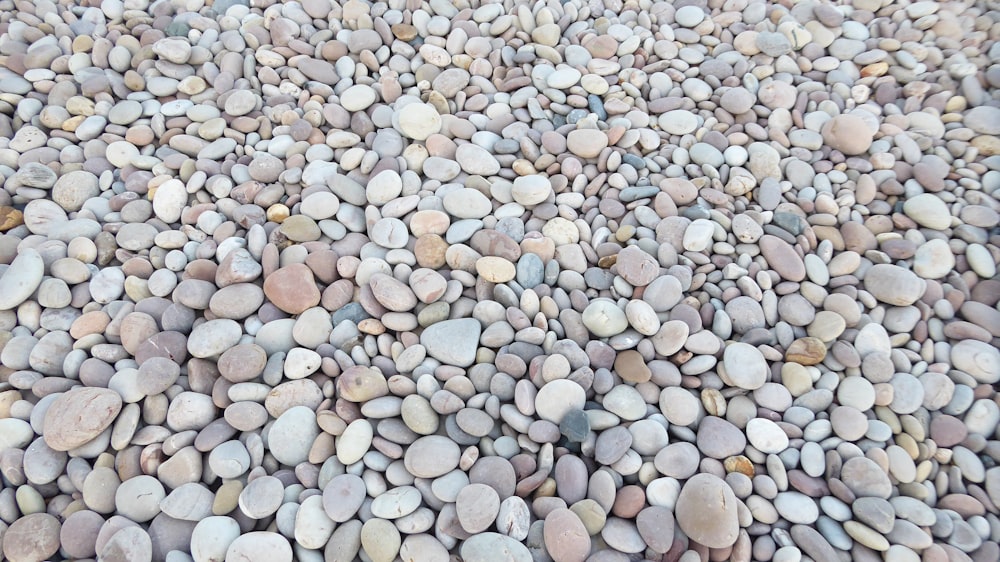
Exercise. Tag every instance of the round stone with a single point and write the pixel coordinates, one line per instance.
(431, 456)
(477, 506)
(604, 318)
(706, 511)
(31, 537)
(848, 134)
(558, 397)
(531, 190)
(78, 416)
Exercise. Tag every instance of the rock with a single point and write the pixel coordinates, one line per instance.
(978, 359)
(848, 134)
(719, 438)
(557, 398)
(604, 318)
(31, 537)
(494, 547)
(78, 416)
(343, 496)
(983, 119)
(933, 260)
(212, 536)
(292, 435)
(928, 210)
(781, 256)
(566, 538)
(706, 511)
(477, 506)
(418, 121)
(745, 366)
(531, 190)
(431, 456)
(894, 285)
(766, 436)
(637, 267)
(21, 278)
(292, 288)
(260, 546)
(453, 342)
(586, 143)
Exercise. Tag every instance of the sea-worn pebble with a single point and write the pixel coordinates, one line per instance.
(706, 511)
(78, 416)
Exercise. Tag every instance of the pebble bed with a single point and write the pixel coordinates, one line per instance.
(605, 280)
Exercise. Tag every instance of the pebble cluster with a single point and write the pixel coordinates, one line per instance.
(514, 280)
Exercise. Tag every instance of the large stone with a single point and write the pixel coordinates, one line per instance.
(78, 416)
(453, 342)
(894, 285)
(706, 511)
(21, 278)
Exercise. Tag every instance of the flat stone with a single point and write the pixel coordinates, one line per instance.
(78, 416)
(21, 278)
(928, 210)
(292, 435)
(894, 285)
(745, 366)
(847, 133)
(431, 456)
(453, 342)
(706, 511)
(557, 398)
(32, 537)
(718, 438)
(292, 288)
(566, 538)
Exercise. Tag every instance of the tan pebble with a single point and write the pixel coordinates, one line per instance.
(10, 218)
(806, 351)
(277, 213)
(495, 269)
(78, 416)
(371, 326)
(740, 464)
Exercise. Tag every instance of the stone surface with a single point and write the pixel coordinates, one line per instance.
(706, 511)
(78, 416)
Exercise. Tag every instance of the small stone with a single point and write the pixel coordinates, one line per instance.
(637, 267)
(928, 210)
(431, 456)
(477, 507)
(31, 537)
(806, 351)
(557, 398)
(292, 288)
(453, 342)
(78, 416)
(21, 279)
(586, 143)
(531, 190)
(848, 134)
(260, 546)
(604, 318)
(745, 366)
(566, 538)
(418, 121)
(766, 436)
(706, 511)
(894, 285)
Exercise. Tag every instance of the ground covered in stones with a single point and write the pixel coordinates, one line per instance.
(606, 280)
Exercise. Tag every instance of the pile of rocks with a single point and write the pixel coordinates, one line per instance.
(586, 280)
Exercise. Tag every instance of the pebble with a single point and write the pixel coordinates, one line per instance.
(453, 342)
(78, 416)
(706, 511)
(279, 293)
